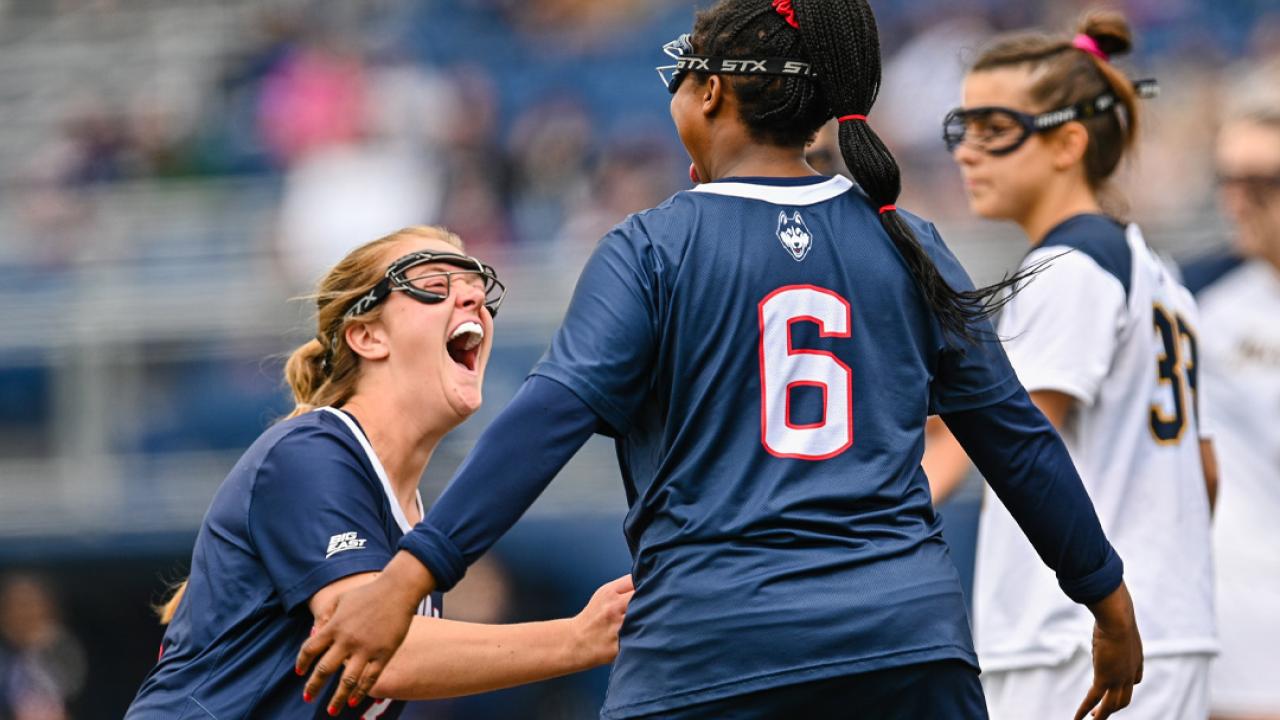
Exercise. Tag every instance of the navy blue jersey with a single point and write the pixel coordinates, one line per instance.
(767, 363)
(1202, 272)
(307, 504)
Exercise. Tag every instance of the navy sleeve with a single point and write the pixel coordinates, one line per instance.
(1026, 463)
(970, 374)
(604, 349)
(512, 463)
(1204, 271)
(314, 517)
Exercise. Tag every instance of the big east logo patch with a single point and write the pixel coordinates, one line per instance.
(794, 235)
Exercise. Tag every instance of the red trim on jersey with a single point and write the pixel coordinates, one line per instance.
(787, 406)
(822, 332)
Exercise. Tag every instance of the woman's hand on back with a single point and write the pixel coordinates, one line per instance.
(595, 629)
(1117, 655)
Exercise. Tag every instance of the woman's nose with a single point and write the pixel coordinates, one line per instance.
(467, 295)
(964, 154)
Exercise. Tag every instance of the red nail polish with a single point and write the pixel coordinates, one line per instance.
(333, 711)
(353, 702)
(300, 671)
(306, 697)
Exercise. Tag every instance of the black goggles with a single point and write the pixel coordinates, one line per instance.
(681, 50)
(1251, 182)
(430, 285)
(1000, 130)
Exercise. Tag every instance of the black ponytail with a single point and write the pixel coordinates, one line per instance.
(843, 44)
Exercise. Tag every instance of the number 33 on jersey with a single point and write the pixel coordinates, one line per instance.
(1176, 368)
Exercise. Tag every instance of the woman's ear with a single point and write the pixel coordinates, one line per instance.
(368, 340)
(712, 92)
(1069, 145)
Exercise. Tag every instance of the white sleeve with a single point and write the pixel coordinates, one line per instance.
(1061, 329)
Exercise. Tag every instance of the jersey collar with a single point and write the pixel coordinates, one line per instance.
(396, 511)
(793, 192)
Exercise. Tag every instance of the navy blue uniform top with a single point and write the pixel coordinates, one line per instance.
(1206, 270)
(767, 363)
(307, 504)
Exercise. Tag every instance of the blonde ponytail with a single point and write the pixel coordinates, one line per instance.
(170, 607)
(305, 373)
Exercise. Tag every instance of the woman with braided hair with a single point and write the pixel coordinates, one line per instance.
(765, 349)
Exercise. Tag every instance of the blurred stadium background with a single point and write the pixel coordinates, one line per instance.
(174, 174)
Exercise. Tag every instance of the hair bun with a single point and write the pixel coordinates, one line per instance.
(1110, 30)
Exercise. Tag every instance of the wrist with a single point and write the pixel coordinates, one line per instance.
(1115, 611)
(580, 652)
(406, 578)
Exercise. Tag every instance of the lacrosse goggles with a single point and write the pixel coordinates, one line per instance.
(681, 50)
(1000, 130)
(431, 285)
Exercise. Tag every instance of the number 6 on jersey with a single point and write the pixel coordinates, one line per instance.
(783, 367)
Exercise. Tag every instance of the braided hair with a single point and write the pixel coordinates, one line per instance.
(840, 40)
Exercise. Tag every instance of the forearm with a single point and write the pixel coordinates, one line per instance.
(511, 464)
(1027, 465)
(445, 658)
(1209, 464)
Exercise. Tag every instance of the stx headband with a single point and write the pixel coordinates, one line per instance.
(681, 50)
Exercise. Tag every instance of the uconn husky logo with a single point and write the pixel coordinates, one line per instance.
(794, 235)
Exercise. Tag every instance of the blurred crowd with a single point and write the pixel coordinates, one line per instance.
(542, 123)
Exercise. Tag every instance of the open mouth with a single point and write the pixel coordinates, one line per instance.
(464, 344)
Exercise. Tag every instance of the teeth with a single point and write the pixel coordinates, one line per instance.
(472, 329)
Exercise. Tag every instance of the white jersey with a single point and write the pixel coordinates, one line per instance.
(1240, 352)
(1106, 323)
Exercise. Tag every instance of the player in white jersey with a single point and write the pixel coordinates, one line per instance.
(1105, 340)
(1239, 296)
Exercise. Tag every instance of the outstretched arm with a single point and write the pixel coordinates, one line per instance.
(945, 462)
(445, 658)
(511, 464)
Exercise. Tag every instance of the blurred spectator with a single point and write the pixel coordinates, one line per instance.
(577, 26)
(378, 167)
(314, 98)
(1239, 350)
(549, 147)
(635, 172)
(41, 665)
(478, 170)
